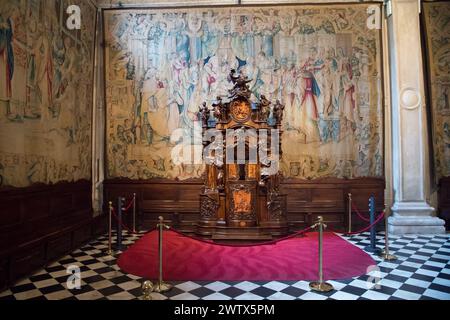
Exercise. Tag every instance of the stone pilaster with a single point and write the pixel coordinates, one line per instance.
(410, 166)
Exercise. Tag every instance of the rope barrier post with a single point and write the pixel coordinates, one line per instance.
(120, 247)
(134, 212)
(147, 289)
(110, 251)
(320, 286)
(385, 255)
(161, 286)
(372, 247)
(349, 213)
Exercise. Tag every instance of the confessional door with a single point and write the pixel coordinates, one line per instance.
(242, 204)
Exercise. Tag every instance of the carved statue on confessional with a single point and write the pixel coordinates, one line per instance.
(278, 111)
(211, 181)
(220, 110)
(204, 114)
(273, 193)
(233, 77)
(264, 108)
(240, 88)
(220, 178)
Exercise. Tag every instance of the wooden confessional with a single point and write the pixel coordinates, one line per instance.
(241, 198)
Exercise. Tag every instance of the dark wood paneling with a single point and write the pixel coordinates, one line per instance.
(4, 272)
(81, 235)
(41, 223)
(307, 199)
(100, 225)
(36, 207)
(62, 203)
(11, 209)
(178, 201)
(444, 201)
(58, 246)
(24, 261)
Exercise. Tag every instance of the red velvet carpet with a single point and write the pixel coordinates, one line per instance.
(294, 259)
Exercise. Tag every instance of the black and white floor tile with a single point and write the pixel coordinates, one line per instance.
(422, 271)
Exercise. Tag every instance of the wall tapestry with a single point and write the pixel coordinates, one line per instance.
(437, 22)
(323, 63)
(45, 92)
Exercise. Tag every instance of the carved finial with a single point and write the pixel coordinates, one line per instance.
(240, 82)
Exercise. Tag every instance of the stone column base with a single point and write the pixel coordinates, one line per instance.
(414, 218)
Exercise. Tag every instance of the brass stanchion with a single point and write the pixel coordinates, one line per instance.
(147, 289)
(110, 251)
(385, 255)
(349, 213)
(320, 286)
(134, 212)
(161, 286)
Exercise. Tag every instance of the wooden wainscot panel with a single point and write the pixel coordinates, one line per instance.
(306, 199)
(330, 218)
(100, 225)
(10, 212)
(37, 207)
(159, 197)
(297, 193)
(161, 206)
(26, 260)
(58, 246)
(39, 225)
(189, 192)
(4, 273)
(82, 200)
(327, 196)
(160, 192)
(189, 217)
(297, 220)
(360, 198)
(61, 203)
(81, 236)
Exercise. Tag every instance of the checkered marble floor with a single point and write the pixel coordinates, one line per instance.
(422, 271)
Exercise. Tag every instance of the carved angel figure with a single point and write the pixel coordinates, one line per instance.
(204, 114)
(264, 108)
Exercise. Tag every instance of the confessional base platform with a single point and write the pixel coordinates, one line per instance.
(253, 237)
(222, 233)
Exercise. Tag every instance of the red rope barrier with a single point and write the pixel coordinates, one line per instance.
(378, 219)
(129, 206)
(123, 225)
(359, 213)
(243, 245)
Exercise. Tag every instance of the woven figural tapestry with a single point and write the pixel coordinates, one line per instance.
(437, 25)
(322, 62)
(46, 81)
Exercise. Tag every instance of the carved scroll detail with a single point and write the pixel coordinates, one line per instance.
(208, 207)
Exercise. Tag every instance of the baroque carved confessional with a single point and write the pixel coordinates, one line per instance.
(241, 197)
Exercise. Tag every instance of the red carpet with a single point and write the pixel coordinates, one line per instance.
(293, 259)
